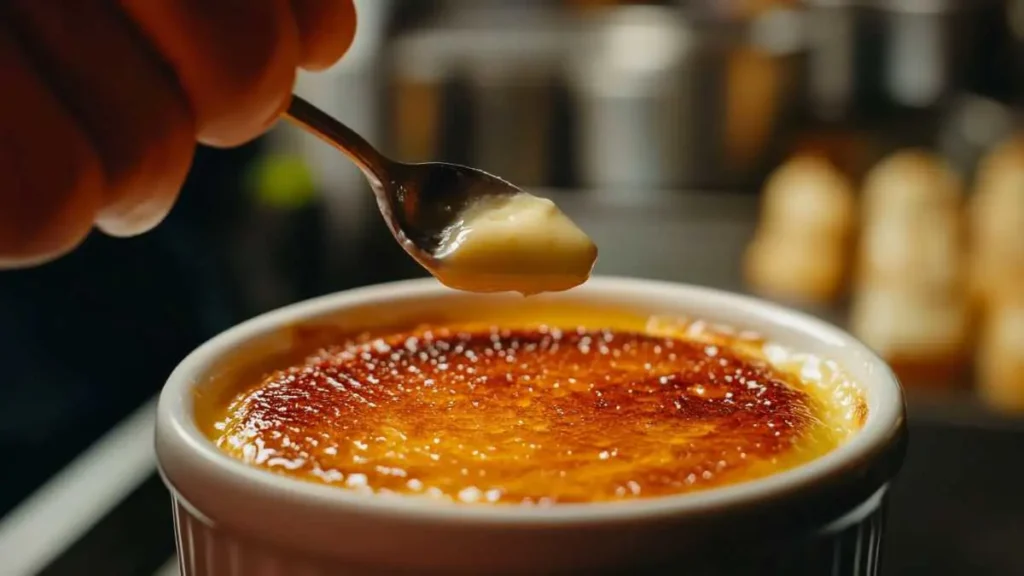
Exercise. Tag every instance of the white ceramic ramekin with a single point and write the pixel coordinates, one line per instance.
(825, 517)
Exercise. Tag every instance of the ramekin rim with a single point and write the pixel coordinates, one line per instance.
(175, 422)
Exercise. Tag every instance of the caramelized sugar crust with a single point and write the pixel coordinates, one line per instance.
(526, 416)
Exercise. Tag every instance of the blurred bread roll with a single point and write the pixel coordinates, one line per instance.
(910, 304)
(801, 249)
(994, 277)
(926, 255)
(924, 337)
(996, 222)
(910, 185)
(996, 219)
(795, 269)
(997, 208)
(1000, 364)
(912, 233)
(809, 196)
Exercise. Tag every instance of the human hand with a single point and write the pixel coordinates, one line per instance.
(104, 102)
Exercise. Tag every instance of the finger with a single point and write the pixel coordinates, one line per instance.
(125, 101)
(52, 180)
(326, 30)
(234, 59)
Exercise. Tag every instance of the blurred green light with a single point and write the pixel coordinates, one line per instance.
(282, 181)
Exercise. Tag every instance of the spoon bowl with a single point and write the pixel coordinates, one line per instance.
(425, 200)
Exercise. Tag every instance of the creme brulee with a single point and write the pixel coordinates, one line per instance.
(527, 413)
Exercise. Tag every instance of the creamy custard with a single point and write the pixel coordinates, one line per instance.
(530, 413)
(519, 242)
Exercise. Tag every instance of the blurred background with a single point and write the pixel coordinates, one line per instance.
(857, 159)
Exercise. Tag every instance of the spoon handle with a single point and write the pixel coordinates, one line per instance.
(324, 126)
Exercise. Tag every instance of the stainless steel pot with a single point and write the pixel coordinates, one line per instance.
(480, 90)
(663, 101)
(627, 97)
(871, 54)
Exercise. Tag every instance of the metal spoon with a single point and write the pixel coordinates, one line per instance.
(422, 202)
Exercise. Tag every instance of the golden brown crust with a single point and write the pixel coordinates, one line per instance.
(536, 416)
